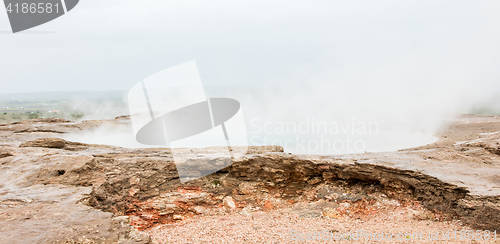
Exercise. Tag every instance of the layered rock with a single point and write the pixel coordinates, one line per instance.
(454, 178)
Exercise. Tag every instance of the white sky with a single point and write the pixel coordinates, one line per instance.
(407, 65)
(113, 44)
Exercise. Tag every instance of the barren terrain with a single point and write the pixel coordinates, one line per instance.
(56, 191)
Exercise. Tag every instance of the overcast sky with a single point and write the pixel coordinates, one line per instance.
(406, 65)
(113, 44)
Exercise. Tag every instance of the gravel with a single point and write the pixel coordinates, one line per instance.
(285, 226)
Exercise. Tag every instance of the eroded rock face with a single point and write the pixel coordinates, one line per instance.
(5, 153)
(491, 143)
(152, 194)
(54, 143)
(36, 218)
(143, 186)
(44, 120)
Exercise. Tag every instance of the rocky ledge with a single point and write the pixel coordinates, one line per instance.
(53, 190)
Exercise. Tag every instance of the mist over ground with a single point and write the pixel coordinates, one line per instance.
(407, 67)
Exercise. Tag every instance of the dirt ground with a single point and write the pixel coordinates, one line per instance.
(56, 191)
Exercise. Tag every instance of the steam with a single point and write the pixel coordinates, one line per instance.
(97, 105)
(409, 67)
(115, 134)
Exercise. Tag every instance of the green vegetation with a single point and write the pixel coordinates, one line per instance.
(77, 116)
(17, 110)
(216, 182)
(9, 117)
(33, 116)
(490, 106)
(485, 110)
(68, 105)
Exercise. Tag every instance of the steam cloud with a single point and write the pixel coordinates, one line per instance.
(408, 66)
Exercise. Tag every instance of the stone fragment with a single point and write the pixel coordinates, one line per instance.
(4, 153)
(246, 188)
(200, 210)
(330, 213)
(314, 181)
(268, 205)
(134, 180)
(229, 202)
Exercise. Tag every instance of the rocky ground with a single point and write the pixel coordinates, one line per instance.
(57, 191)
